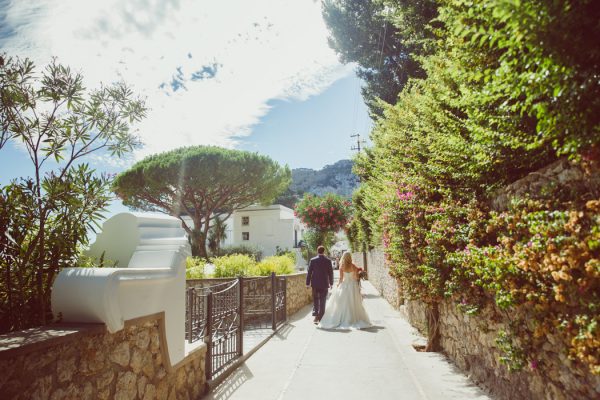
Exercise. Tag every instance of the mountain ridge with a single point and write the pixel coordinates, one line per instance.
(333, 178)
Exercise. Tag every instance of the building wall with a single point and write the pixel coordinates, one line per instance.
(268, 228)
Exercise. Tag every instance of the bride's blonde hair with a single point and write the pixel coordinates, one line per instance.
(346, 260)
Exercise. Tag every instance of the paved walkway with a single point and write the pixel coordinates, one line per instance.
(303, 362)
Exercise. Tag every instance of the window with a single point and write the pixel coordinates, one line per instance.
(245, 235)
(245, 220)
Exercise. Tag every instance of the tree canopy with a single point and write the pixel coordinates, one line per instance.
(202, 182)
(385, 39)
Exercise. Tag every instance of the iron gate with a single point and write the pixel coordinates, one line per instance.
(219, 313)
(264, 302)
(279, 300)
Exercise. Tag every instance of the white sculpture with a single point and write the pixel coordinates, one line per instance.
(154, 248)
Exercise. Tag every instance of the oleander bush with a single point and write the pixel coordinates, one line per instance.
(328, 213)
(324, 216)
(45, 217)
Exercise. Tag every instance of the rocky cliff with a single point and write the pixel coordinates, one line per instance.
(335, 178)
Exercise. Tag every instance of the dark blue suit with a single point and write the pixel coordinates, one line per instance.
(320, 277)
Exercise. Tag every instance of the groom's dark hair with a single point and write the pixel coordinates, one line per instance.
(320, 249)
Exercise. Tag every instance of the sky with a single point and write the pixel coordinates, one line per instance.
(253, 75)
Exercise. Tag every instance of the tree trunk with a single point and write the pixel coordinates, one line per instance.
(433, 331)
(198, 244)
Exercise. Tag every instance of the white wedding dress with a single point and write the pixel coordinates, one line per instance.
(344, 309)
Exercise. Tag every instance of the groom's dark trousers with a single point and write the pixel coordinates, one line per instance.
(320, 278)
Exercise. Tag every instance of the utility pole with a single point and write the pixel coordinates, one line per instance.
(358, 142)
(357, 148)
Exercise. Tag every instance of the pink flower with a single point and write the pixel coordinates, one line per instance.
(404, 196)
(533, 364)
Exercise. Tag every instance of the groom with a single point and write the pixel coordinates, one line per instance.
(320, 277)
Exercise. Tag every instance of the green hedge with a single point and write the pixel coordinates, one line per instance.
(241, 265)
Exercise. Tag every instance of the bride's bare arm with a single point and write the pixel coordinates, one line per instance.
(355, 271)
(341, 276)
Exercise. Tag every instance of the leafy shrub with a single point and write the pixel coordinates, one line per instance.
(86, 261)
(288, 253)
(281, 265)
(244, 265)
(253, 251)
(546, 260)
(233, 265)
(505, 94)
(194, 268)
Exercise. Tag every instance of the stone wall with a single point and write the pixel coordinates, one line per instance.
(416, 313)
(470, 341)
(87, 362)
(379, 276)
(297, 294)
(563, 174)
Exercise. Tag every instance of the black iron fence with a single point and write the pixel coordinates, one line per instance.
(279, 300)
(219, 313)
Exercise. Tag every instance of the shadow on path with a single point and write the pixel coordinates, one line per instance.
(298, 361)
(229, 386)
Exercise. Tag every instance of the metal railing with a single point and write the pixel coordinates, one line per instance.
(279, 302)
(218, 314)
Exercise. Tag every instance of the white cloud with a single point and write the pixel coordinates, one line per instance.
(241, 54)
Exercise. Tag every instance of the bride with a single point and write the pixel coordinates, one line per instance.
(345, 309)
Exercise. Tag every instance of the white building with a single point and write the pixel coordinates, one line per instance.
(265, 227)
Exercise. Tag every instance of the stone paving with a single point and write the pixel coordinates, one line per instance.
(303, 362)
